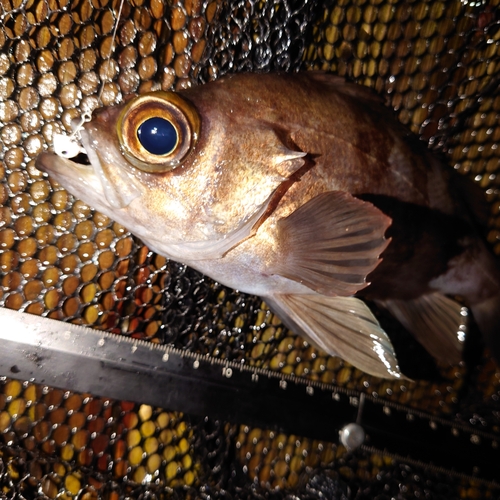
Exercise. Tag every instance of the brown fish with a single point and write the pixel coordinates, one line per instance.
(301, 189)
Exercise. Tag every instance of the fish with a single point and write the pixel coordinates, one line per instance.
(305, 190)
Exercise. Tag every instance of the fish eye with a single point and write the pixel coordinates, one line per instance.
(158, 130)
(157, 136)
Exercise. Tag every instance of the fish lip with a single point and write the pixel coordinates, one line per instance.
(69, 174)
(41, 161)
(50, 163)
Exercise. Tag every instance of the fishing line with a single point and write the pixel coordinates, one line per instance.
(69, 146)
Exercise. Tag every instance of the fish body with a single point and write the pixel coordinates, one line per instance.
(304, 190)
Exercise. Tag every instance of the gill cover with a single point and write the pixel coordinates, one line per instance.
(158, 130)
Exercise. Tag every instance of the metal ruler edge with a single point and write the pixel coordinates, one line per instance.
(81, 359)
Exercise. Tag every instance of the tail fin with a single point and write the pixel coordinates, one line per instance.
(487, 316)
(486, 306)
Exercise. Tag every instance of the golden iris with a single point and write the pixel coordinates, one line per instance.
(158, 130)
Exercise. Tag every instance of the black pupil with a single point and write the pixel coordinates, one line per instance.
(158, 136)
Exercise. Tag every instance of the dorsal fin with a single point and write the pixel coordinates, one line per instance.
(358, 92)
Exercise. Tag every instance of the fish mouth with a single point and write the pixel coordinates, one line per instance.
(81, 159)
(93, 175)
(62, 169)
(77, 177)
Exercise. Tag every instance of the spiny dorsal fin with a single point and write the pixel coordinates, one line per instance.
(331, 243)
(359, 92)
(339, 326)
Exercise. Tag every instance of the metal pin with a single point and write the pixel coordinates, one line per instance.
(352, 436)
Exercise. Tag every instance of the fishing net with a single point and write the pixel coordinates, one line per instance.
(437, 64)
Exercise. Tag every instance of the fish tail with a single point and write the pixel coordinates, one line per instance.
(487, 316)
(479, 286)
(486, 308)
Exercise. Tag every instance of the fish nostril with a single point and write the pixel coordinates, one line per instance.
(106, 115)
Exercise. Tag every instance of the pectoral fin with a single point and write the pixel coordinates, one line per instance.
(331, 243)
(436, 321)
(341, 326)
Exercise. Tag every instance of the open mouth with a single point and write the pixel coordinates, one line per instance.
(81, 159)
(89, 167)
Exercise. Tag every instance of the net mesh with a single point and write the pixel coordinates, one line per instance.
(438, 66)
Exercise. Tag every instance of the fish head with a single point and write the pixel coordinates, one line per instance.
(190, 174)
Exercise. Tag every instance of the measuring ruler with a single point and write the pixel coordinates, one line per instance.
(80, 359)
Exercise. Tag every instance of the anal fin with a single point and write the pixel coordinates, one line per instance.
(339, 326)
(436, 321)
